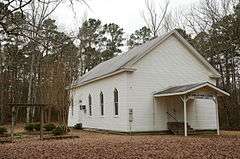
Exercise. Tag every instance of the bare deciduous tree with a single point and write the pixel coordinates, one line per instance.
(37, 13)
(175, 19)
(154, 17)
(202, 16)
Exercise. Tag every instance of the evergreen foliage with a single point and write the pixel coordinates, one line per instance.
(49, 127)
(3, 130)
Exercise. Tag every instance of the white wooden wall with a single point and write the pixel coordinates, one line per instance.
(170, 64)
(202, 114)
(109, 121)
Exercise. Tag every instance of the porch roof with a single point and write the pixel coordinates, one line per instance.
(184, 89)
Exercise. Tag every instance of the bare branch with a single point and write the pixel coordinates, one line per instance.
(154, 18)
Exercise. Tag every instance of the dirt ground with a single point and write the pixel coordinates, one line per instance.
(97, 145)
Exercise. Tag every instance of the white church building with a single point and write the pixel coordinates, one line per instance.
(162, 85)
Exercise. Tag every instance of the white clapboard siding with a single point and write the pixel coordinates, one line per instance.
(170, 64)
(202, 114)
(109, 121)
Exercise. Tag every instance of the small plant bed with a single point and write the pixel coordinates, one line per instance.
(4, 135)
(35, 132)
(60, 137)
(3, 130)
(29, 127)
(78, 126)
(58, 133)
(4, 140)
(34, 128)
(49, 127)
(37, 126)
(60, 130)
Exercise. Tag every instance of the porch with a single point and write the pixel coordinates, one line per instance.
(190, 107)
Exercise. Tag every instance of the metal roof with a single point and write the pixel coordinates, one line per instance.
(184, 89)
(125, 60)
(117, 62)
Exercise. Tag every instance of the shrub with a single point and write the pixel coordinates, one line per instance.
(78, 126)
(37, 126)
(18, 135)
(49, 127)
(59, 130)
(29, 127)
(3, 130)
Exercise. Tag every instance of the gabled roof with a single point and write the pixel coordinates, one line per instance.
(124, 61)
(184, 89)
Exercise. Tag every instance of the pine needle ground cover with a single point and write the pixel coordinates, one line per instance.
(97, 145)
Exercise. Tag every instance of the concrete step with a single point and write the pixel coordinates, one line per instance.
(178, 128)
(181, 132)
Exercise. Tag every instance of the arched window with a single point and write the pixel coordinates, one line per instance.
(115, 101)
(90, 104)
(101, 104)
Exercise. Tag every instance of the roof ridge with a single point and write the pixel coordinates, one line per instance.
(126, 54)
(129, 58)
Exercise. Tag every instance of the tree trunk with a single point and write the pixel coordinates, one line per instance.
(30, 87)
(49, 114)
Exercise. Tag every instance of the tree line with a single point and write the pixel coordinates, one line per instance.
(38, 61)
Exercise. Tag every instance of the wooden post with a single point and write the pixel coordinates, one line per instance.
(41, 123)
(217, 117)
(185, 115)
(13, 122)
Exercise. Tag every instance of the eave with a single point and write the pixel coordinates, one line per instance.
(101, 77)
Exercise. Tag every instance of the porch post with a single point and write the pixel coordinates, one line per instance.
(217, 117)
(185, 115)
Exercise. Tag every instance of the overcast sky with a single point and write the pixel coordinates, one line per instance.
(126, 13)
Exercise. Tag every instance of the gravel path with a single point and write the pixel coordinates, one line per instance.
(96, 145)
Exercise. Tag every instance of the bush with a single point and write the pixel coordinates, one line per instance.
(29, 127)
(3, 130)
(59, 130)
(78, 126)
(49, 127)
(37, 126)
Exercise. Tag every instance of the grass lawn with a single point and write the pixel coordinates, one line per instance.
(97, 145)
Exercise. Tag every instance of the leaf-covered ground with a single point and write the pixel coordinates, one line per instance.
(96, 145)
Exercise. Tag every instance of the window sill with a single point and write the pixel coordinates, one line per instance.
(101, 116)
(116, 116)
